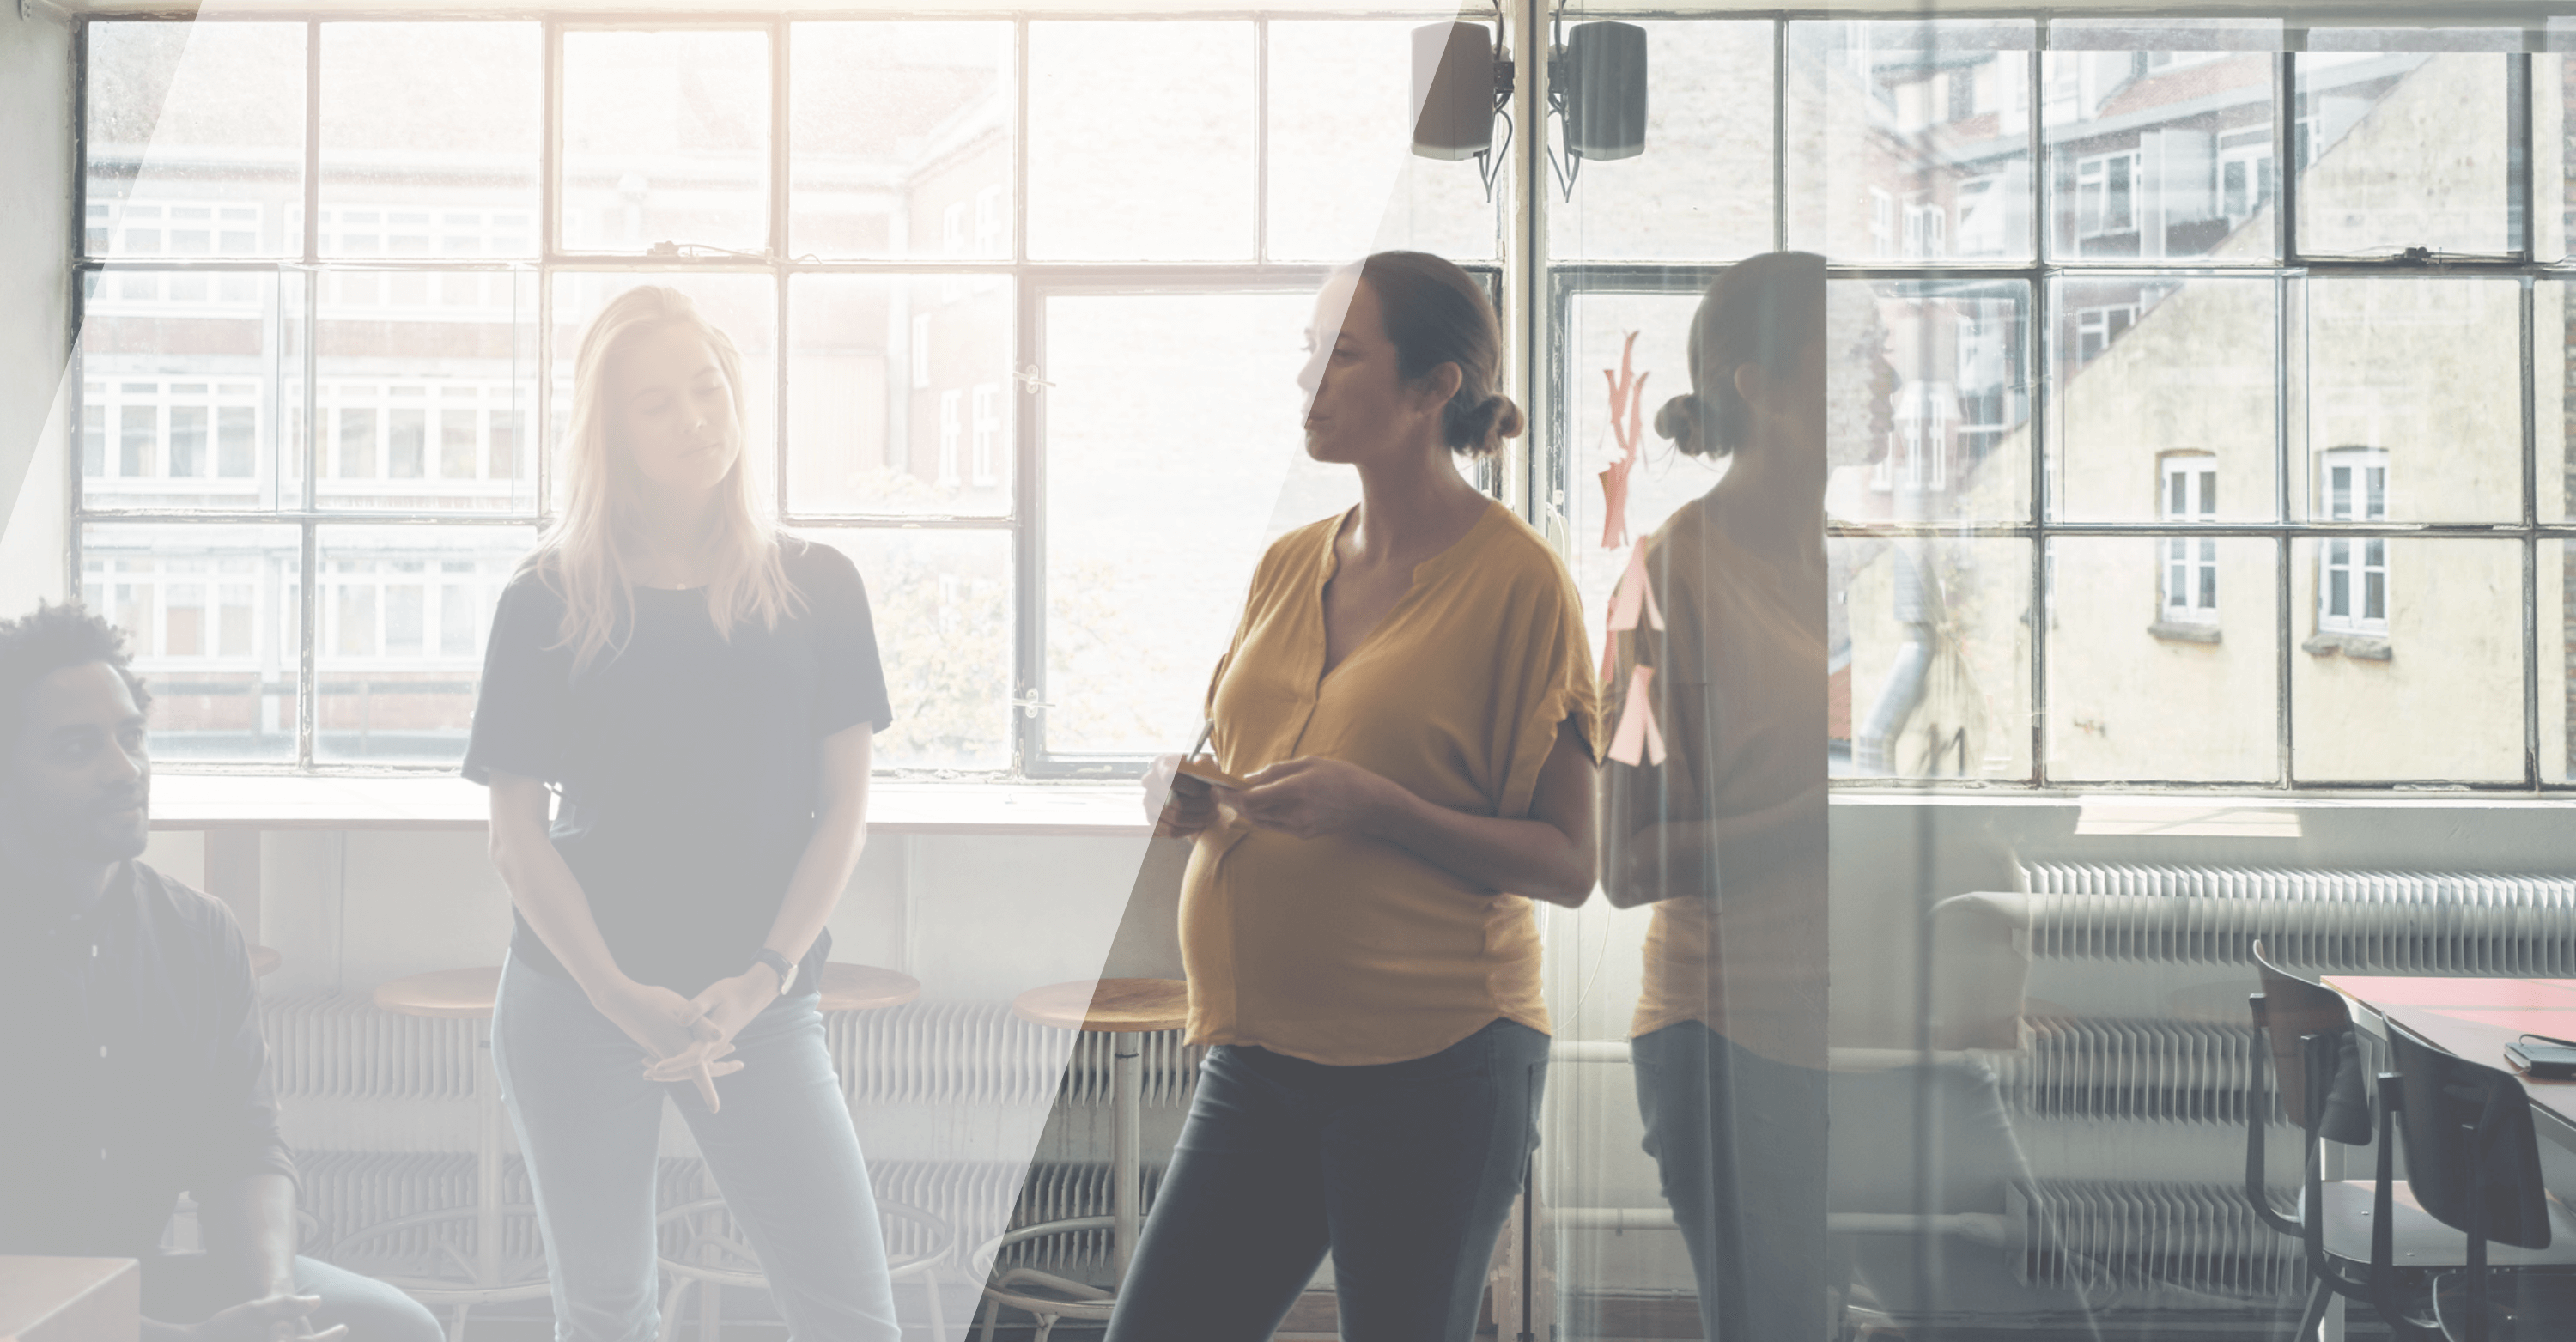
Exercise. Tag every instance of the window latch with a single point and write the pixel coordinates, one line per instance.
(1029, 379)
(1029, 704)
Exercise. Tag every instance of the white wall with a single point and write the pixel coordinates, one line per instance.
(35, 288)
(974, 918)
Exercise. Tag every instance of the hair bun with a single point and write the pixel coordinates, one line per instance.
(1479, 431)
(1678, 420)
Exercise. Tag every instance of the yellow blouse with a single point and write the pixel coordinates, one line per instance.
(1350, 951)
(1738, 692)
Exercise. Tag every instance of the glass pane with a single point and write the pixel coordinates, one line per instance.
(1662, 478)
(1135, 478)
(1702, 190)
(665, 139)
(2147, 633)
(2557, 632)
(743, 306)
(2162, 154)
(2409, 665)
(448, 169)
(1344, 181)
(899, 140)
(1930, 385)
(190, 385)
(195, 139)
(425, 385)
(2151, 369)
(942, 602)
(2400, 148)
(2419, 372)
(1910, 140)
(900, 395)
(398, 636)
(1156, 164)
(1930, 643)
(209, 613)
(2553, 164)
(2553, 343)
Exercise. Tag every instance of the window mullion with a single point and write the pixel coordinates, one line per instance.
(309, 559)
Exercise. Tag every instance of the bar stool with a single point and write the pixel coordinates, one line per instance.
(466, 994)
(722, 1259)
(1122, 1009)
(264, 961)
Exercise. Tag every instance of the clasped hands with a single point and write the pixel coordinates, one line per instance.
(1308, 798)
(691, 1038)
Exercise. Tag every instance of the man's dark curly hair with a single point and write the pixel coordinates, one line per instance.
(35, 646)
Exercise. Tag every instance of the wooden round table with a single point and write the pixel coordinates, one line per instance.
(465, 994)
(1123, 1009)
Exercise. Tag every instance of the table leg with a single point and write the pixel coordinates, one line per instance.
(487, 1161)
(1126, 1165)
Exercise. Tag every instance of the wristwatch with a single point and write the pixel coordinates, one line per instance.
(786, 968)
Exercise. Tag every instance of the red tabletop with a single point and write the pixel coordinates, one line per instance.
(2476, 1018)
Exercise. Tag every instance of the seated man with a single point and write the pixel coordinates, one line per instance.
(131, 1060)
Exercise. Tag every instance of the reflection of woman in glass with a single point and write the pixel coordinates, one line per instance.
(1410, 699)
(700, 691)
(1715, 806)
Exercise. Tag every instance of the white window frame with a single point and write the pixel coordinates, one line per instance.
(951, 434)
(987, 454)
(2188, 565)
(2353, 591)
(2093, 195)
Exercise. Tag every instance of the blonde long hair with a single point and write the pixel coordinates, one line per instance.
(582, 559)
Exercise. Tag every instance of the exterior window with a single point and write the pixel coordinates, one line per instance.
(1927, 230)
(2352, 584)
(2096, 328)
(2190, 577)
(950, 404)
(988, 434)
(2106, 195)
(921, 352)
(2244, 174)
(992, 225)
(1882, 223)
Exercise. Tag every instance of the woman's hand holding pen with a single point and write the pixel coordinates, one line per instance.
(672, 1029)
(1310, 797)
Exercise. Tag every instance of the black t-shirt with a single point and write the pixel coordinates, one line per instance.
(133, 1062)
(686, 763)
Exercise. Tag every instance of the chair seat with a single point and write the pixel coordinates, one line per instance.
(2521, 1306)
(2420, 1242)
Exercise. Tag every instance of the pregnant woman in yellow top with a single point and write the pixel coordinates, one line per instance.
(1410, 700)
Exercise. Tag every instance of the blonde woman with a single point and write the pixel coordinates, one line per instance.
(698, 692)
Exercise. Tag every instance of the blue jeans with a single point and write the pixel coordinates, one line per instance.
(1403, 1171)
(187, 1287)
(781, 1150)
(1739, 1141)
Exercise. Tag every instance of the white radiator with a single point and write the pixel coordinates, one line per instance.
(2353, 920)
(2131, 1243)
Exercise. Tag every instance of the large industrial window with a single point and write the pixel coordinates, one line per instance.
(1025, 351)
(327, 337)
(2139, 367)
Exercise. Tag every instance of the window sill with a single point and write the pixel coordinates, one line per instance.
(2173, 632)
(2359, 647)
(219, 801)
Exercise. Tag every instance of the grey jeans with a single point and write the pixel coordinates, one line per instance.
(781, 1149)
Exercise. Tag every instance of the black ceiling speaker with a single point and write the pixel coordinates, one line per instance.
(1453, 90)
(1605, 90)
